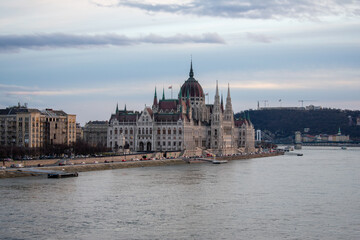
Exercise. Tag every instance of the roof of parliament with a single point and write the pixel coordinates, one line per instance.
(192, 86)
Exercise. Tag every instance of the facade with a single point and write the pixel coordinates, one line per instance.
(182, 124)
(95, 133)
(25, 127)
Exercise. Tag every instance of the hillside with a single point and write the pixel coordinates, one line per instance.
(283, 123)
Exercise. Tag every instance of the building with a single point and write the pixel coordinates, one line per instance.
(95, 133)
(25, 127)
(182, 124)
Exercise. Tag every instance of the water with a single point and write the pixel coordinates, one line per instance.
(316, 196)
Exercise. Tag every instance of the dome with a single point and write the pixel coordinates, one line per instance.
(192, 86)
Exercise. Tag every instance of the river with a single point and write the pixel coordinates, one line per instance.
(315, 196)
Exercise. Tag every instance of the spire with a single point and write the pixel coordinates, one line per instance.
(117, 108)
(222, 103)
(217, 89)
(228, 94)
(191, 74)
(163, 97)
(155, 103)
(125, 108)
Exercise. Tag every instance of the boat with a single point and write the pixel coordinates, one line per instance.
(62, 175)
(343, 148)
(219, 161)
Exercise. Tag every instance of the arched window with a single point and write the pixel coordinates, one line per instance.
(150, 130)
(164, 131)
(169, 131)
(147, 131)
(126, 131)
(120, 130)
(115, 131)
(174, 132)
(180, 132)
(158, 131)
(131, 131)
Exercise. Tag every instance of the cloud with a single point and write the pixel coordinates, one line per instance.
(61, 40)
(255, 37)
(254, 9)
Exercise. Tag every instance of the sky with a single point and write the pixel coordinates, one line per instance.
(86, 56)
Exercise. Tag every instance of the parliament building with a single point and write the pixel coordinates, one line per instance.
(183, 124)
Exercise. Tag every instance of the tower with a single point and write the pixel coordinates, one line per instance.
(228, 114)
(216, 122)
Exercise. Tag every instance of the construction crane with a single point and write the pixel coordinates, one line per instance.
(302, 102)
(264, 101)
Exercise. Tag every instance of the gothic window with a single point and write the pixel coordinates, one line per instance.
(164, 131)
(150, 130)
(131, 131)
(116, 131)
(169, 143)
(126, 131)
(180, 132)
(169, 131)
(158, 131)
(174, 131)
(110, 132)
(147, 131)
(120, 131)
(143, 131)
(215, 132)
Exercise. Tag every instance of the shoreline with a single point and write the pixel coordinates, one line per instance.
(11, 173)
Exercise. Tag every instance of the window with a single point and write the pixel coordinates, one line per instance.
(174, 131)
(147, 131)
(150, 130)
(126, 131)
(120, 131)
(158, 131)
(169, 131)
(131, 131)
(164, 131)
(174, 144)
(116, 131)
(180, 132)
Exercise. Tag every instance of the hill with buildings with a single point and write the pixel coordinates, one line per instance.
(282, 123)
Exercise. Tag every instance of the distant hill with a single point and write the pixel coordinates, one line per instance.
(283, 122)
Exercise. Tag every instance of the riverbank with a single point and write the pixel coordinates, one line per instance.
(10, 173)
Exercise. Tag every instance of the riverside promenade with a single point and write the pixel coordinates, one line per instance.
(98, 164)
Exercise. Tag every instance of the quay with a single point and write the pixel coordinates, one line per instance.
(90, 164)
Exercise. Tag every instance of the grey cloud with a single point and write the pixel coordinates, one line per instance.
(259, 38)
(60, 40)
(263, 9)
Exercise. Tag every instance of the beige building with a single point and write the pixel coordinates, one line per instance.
(183, 124)
(95, 133)
(25, 127)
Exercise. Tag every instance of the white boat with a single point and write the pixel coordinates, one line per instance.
(343, 148)
(219, 161)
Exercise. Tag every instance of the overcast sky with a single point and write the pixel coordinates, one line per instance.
(86, 56)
